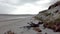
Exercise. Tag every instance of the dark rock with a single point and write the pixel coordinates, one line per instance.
(40, 31)
(9, 32)
(37, 29)
(54, 5)
(40, 22)
(45, 33)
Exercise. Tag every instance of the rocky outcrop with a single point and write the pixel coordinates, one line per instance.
(54, 5)
(9, 32)
(51, 14)
(50, 17)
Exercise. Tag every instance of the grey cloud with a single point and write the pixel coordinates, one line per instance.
(18, 2)
(6, 6)
(5, 9)
(46, 4)
(28, 1)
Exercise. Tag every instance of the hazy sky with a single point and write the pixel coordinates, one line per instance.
(24, 6)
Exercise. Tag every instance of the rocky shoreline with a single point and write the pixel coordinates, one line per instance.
(55, 26)
(50, 17)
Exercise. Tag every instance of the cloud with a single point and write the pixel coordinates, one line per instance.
(18, 2)
(32, 8)
(8, 6)
(24, 6)
(28, 9)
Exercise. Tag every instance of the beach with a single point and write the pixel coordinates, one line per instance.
(14, 23)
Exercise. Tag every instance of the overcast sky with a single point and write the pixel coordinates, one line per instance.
(24, 6)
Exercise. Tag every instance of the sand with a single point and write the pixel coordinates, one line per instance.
(14, 23)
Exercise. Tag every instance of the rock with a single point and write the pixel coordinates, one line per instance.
(50, 14)
(9, 32)
(37, 29)
(45, 33)
(50, 17)
(45, 25)
(40, 22)
(54, 5)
